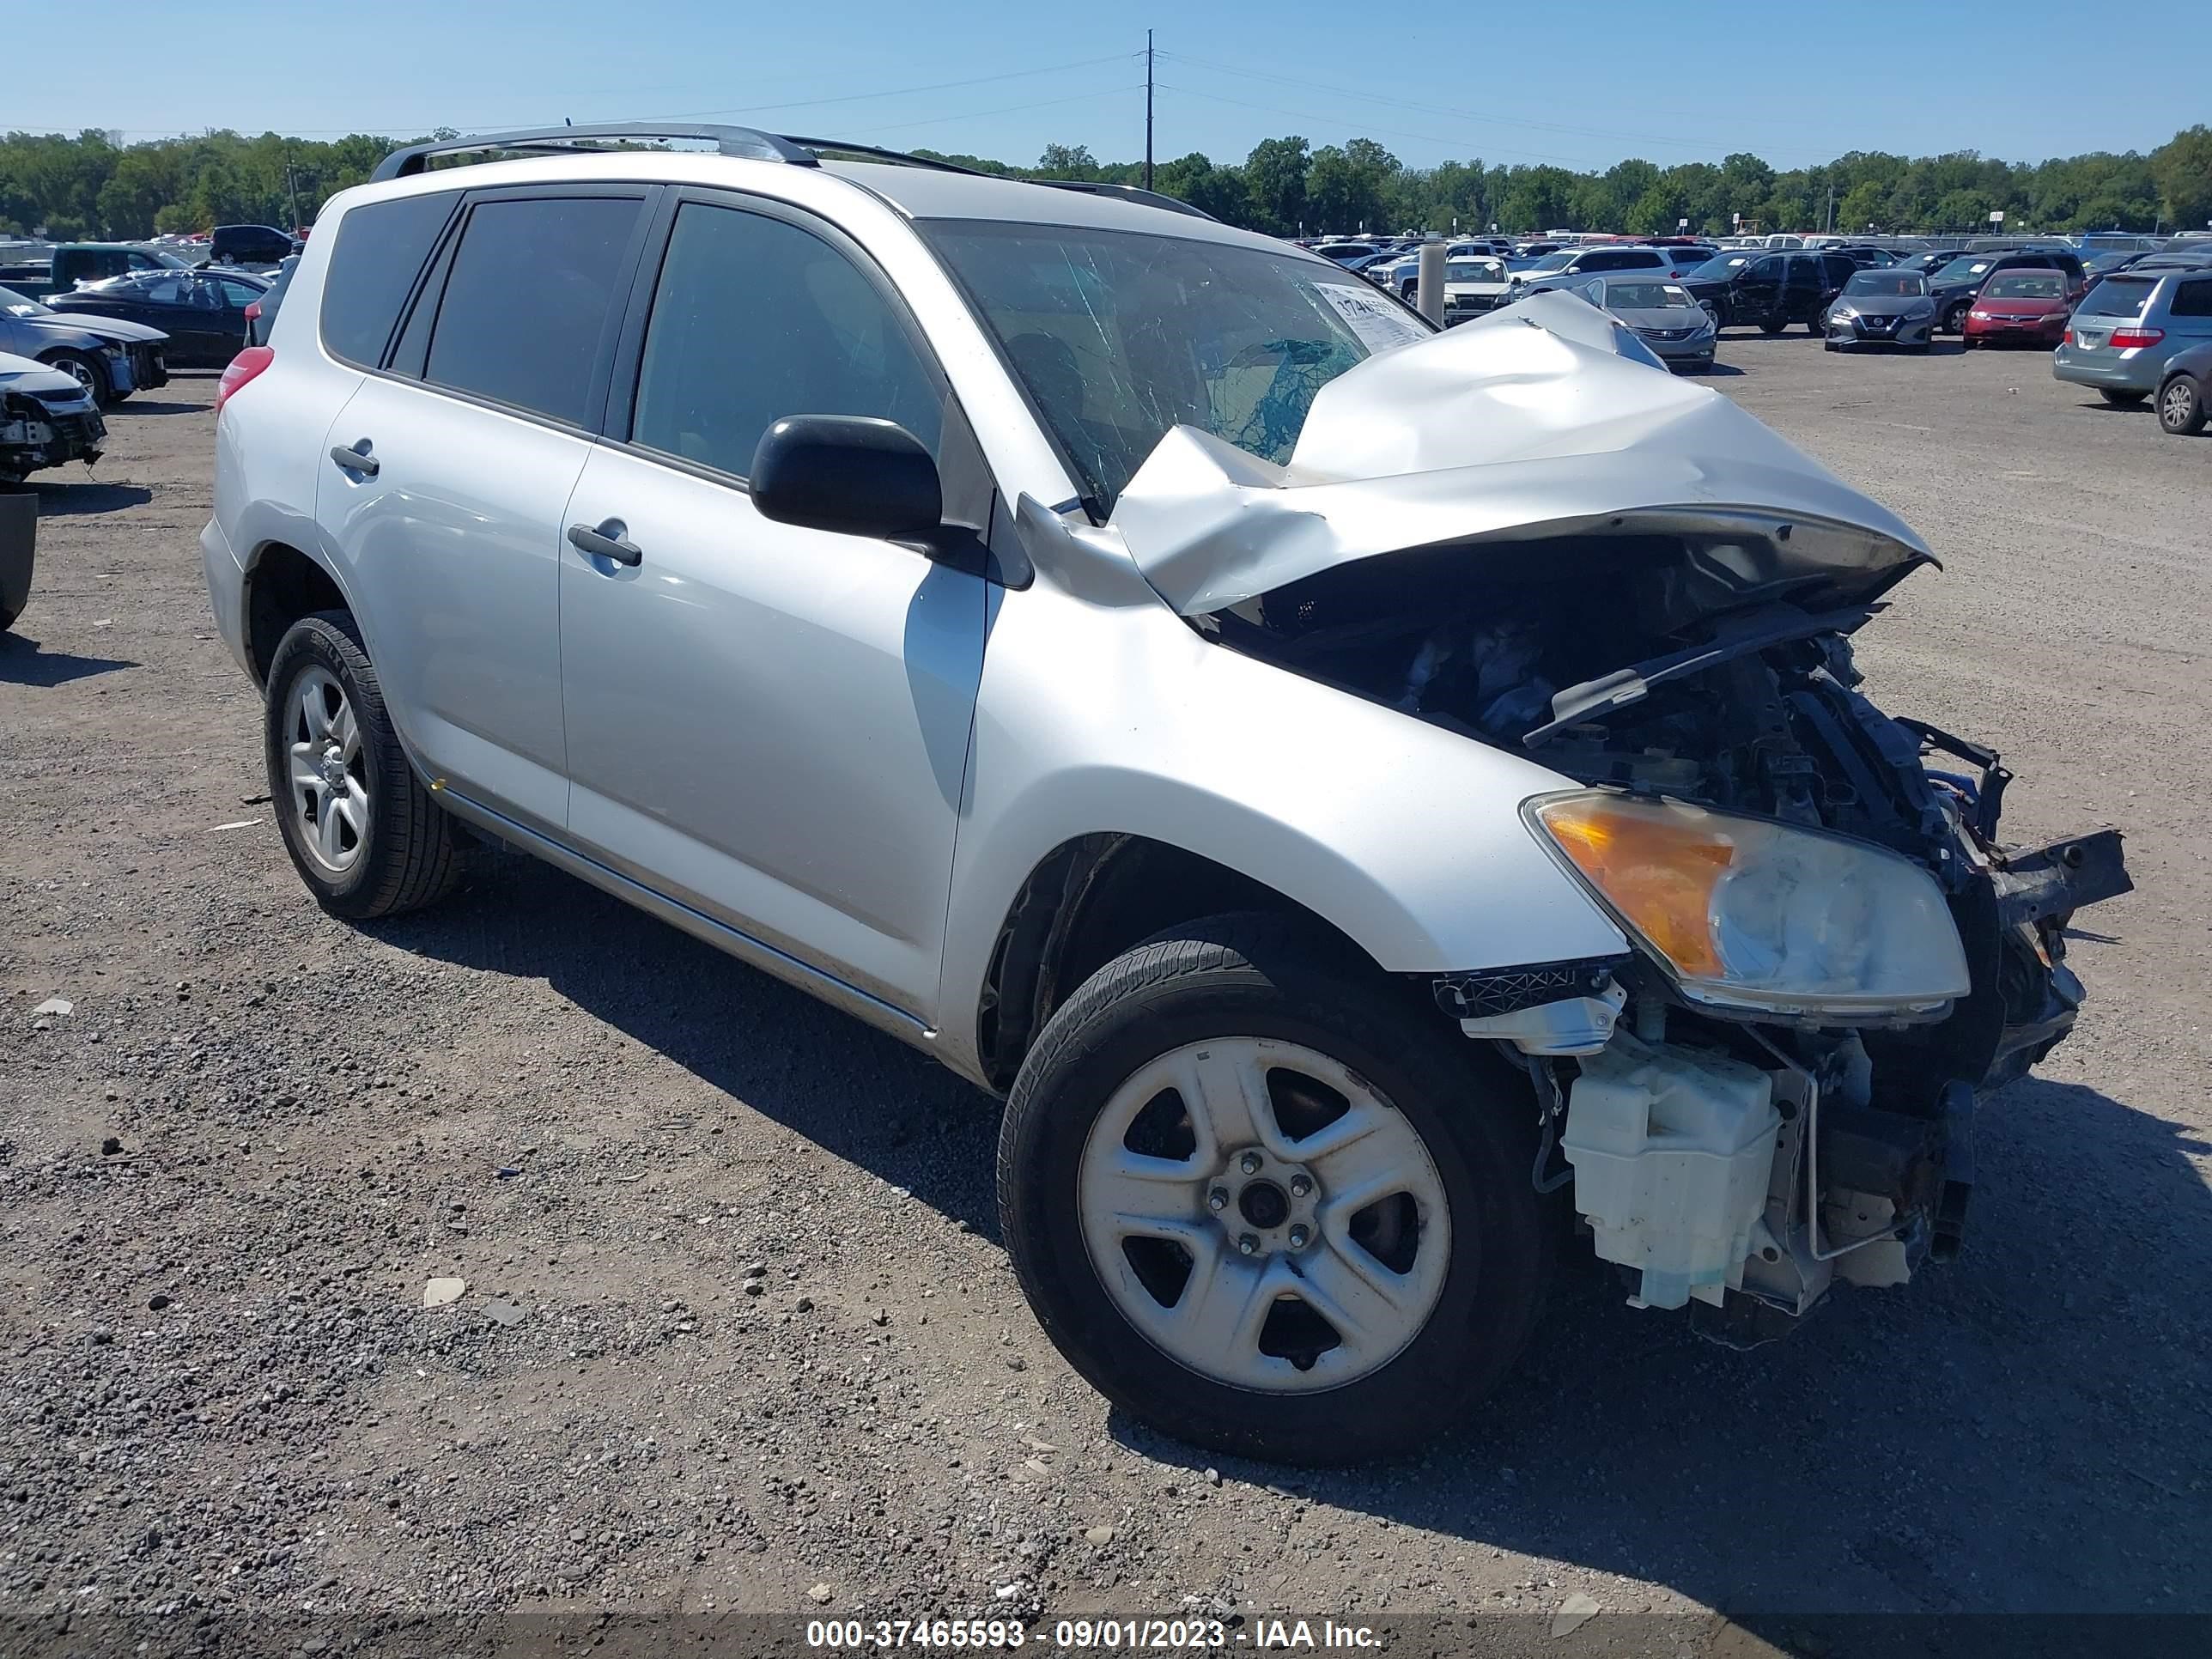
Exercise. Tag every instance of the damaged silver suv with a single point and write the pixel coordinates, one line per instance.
(1382, 806)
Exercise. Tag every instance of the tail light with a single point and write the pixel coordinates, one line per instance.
(2066, 339)
(243, 367)
(2123, 338)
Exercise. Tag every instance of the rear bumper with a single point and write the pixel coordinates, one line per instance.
(226, 580)
(2139, 371)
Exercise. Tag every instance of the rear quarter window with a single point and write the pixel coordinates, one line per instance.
(2193, 299)
(380, 249)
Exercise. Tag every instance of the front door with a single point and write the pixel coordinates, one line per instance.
(767, 723)
(444, 486)
(1758, 295)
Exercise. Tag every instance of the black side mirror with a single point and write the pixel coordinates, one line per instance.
(851, 473)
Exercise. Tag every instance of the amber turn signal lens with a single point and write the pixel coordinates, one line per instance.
(1660, 873)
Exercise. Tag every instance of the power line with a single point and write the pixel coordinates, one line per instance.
(1675, 142)
(1007, 109)
(1366, 128)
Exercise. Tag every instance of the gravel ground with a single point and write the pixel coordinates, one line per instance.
(737, 1333)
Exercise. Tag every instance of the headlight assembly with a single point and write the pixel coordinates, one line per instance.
(1749, 915)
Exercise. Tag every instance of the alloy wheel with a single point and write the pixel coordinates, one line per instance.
(1263, 1216)
(328, 774)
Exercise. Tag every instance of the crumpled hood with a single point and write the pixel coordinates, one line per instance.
(1539, 420)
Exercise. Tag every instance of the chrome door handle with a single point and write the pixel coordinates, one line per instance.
(606, 541)
(357, 460)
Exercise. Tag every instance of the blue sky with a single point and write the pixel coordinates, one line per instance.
(1581, 83)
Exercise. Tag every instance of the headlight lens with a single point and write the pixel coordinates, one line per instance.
(1748, 913)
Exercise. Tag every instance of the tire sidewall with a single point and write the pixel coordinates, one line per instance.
(321, 642)
(1497, 1254)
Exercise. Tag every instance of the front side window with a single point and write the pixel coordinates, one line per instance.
(1119, 336)
(527, 301)
(755, 319)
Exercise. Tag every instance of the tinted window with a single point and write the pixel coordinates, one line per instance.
(380, 252)
(1769, 270)
(2117, 296)
(2192, 299)
(240, 295)
(527, 301)
(1839, 268)
(754, 320)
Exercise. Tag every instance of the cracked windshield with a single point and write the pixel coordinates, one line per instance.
(1118, 338)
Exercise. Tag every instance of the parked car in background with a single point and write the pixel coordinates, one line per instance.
(262, 313)
(100, 365)
(1865, 255)
(47, 419)
(1473, 284)
(202, 313)
(1661, 313)
(2020, 307)
(1769, 291)
(1344, 253)
(1594, 262)
(1881, 308)
(72, 263)
(250, 245)
(2182, 394)
(2126, 330)
(147, 347)
(1954, 286)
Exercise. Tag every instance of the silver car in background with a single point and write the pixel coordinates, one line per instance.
(2130, 325)
(1660, 314)
(1890, 307)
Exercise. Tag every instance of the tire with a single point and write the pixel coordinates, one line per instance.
(1276, 987)
(1954, 319)
(2119, 399)
(2181, 407)
(402, 851)
(1774, 325)
(88, 372)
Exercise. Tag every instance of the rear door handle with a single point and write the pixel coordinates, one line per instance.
(606, 541)
(356, 459)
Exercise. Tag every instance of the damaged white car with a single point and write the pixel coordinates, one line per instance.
(1383, 807)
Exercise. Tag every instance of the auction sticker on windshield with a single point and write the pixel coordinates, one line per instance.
(1378, 323)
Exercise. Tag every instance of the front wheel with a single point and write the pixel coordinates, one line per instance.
(1269, 1204)
(2181, 407)
(1954, 319)
(1774, 325)
(362, 830)
(88, 372)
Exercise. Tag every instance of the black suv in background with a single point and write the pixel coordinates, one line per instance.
(1954, 286)
(249, 244)
(1769, 291)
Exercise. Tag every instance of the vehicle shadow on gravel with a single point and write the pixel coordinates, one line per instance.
(854, 1092)
(2026, 1421)
(153, 406)
(61, 500)
(23, 663)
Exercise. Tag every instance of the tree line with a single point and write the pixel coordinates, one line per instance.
(87, 187)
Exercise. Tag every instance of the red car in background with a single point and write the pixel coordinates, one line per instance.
(2021, 307)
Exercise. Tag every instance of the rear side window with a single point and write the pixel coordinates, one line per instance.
(2117, 296)
(2193, 299)
(527, 301)
(755, 319)
(380, 249)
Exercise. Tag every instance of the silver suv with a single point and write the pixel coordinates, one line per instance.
(1383, 806)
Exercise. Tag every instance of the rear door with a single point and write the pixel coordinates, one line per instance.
(1756, 294)
(469, 443)
(767, 722)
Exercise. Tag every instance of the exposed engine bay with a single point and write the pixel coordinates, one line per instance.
(1735, 1157)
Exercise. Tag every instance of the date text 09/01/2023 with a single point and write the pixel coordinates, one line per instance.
(1082, 1635)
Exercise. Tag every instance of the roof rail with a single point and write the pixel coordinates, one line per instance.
(839, 147)
(730, 141)
(1127, 193)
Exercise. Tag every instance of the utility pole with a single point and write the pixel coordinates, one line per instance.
(1148, 109)
(291, 188)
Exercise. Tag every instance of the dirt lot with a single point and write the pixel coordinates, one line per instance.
(219, 1387)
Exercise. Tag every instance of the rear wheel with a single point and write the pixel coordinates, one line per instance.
(2121, 399)
(1267, 1204)
(2181, 407)
(1774, 325)
(362, 830)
